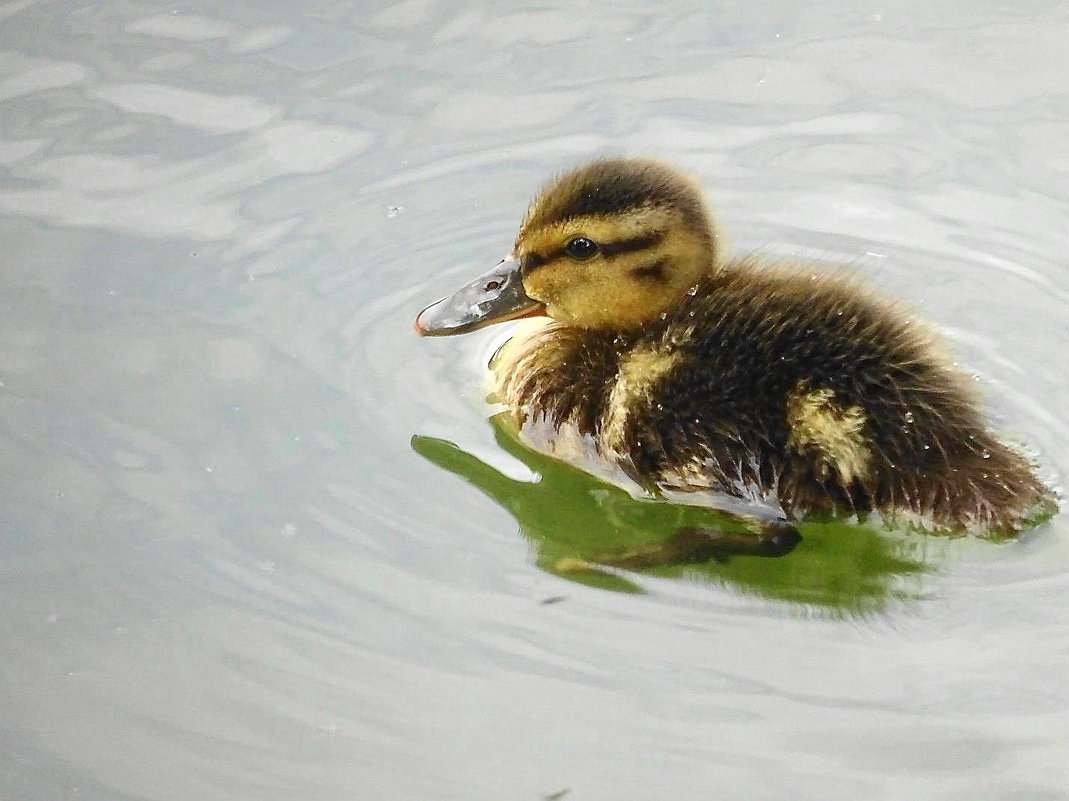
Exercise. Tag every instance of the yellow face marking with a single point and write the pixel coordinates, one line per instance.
(616, 291)
(640, 371)
(817, 423)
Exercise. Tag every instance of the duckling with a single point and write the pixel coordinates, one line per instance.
(775, 386)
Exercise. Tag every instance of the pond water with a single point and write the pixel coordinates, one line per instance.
(228, 569)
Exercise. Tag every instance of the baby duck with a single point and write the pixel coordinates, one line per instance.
(778, 385)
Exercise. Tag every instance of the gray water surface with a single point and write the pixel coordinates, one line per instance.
(224, 572)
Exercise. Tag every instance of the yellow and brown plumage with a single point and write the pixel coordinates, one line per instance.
(779, 384)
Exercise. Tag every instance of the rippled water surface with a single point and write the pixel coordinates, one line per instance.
(226, 569)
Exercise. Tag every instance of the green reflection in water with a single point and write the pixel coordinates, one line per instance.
(570, 515)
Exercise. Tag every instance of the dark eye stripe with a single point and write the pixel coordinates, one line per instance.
(532, 261)
(641, 242)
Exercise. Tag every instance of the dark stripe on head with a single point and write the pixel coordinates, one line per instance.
(653, 273)
(612, 186)
(640, 242)
(530, 261)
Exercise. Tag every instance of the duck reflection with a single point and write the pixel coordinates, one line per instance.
(591, 532)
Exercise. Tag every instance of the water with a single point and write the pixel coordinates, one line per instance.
(227, 574)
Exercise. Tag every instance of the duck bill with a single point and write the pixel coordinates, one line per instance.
(494, 297)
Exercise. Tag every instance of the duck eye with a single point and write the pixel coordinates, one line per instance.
(581, 248)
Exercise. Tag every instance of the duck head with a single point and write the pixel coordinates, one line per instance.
(609, 245)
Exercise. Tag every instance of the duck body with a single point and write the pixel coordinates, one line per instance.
(788, 390)
(783, 386)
